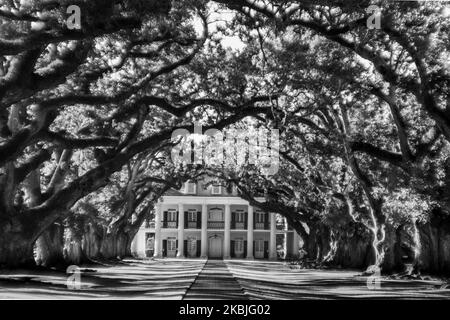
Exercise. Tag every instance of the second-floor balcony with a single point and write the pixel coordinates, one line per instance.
(216, 224)
(239, 226)
(192, 225)
(170, 224)
(261, 226)
(213, 225)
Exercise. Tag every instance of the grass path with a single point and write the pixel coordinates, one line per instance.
(215, 281)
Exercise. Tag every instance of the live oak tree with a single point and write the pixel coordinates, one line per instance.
(51, 72)
(403, 66)
(47, 68)
(110, 90)
(87, 115)
(103, 224)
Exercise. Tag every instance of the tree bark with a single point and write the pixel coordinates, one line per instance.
(16, 243)
(116, 245)
(49, 247)
(73, 251)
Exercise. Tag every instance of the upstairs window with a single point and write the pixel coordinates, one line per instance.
(192, 215)
(260, 217)
(190, 188)
(172, 215)
(215, 215)
(239, 215)
(216, 189)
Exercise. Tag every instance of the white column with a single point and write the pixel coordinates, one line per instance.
(273, 237)
(204, 242)
(180, 253)
(138, 243)
(226, 238)
(250, 233)
(141, 243)
(295, 245)
(158, 242)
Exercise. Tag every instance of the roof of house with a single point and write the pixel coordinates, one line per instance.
(173, 192)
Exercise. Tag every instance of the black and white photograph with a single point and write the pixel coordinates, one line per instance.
(224, 150)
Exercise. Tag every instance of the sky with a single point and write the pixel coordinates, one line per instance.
(218, 18)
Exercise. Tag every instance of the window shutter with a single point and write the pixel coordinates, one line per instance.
(164, 242)
(176, 219)
(266, 221)
(254, 247)
(164, 219)
(186, 219)
(185, 248)
(245, 220)
(266, 249)
(232, 249)
(233, 220)
(199, 220)
(199, 244)
(245, 249)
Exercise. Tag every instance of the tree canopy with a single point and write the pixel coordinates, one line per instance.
(87, 114)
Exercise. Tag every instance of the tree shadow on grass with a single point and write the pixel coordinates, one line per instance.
(129, 279)
(274, 280)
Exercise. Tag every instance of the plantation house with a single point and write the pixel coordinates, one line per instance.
(207, 220)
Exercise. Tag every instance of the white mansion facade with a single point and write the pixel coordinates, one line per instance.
(212, 222)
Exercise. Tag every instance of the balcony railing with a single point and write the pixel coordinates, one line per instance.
(170, 224)
(216, 224)
(192, 225)
(261, 226)
(239, 225)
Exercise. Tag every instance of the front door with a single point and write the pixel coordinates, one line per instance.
(150, 244)
(259, 249)
(239, 248)
(192, 247)
(215, 247)
(171, 247)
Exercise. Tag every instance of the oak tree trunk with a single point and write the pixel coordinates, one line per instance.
(16, 244)
(49, 247)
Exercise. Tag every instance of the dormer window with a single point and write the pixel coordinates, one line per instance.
(190, 188)
(216, 189)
